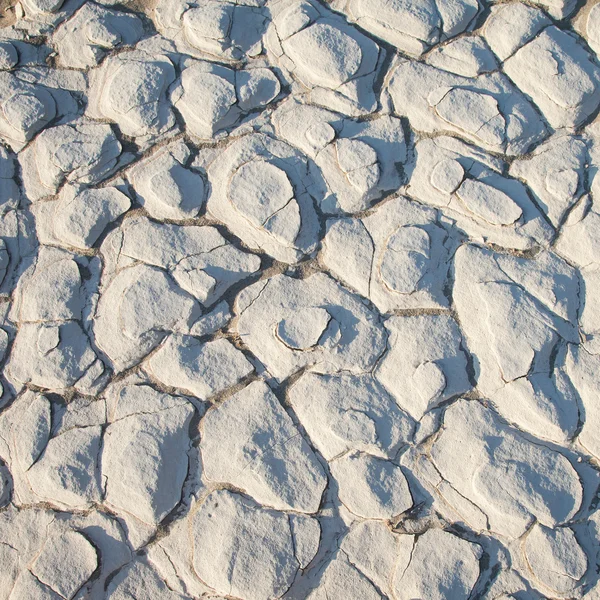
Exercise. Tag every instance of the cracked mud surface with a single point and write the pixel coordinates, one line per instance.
(299, 299)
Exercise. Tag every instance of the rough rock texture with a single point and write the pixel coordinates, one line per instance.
(299, 299)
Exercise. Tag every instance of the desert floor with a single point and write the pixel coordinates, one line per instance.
(299, 299)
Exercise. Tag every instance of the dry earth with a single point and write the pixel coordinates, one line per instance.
(299, 299)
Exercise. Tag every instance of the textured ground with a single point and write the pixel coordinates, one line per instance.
(299, 299)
